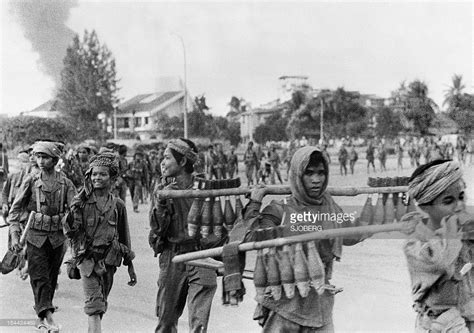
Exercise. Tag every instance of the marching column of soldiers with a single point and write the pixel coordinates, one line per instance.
(76, 199)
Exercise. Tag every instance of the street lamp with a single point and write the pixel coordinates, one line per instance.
(184, 88)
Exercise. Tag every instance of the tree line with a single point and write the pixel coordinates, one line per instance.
(410, 110)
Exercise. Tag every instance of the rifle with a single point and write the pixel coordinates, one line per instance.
(27, 228)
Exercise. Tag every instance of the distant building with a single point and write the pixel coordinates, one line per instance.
(288, 84)
(372, 101)
(252, 118)
(45, 110)
(139, 115)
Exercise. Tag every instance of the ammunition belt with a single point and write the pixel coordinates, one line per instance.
(44, 222)
(186, 247)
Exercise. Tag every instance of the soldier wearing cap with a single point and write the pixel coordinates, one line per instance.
(48, 193)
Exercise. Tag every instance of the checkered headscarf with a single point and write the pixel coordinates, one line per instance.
(184, 149)
(106, 159)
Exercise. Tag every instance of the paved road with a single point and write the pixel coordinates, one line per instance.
(373, 274)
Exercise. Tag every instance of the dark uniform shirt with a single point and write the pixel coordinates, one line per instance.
(102, 226)
(50, 197)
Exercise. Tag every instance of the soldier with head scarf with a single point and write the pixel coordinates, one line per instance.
(232, 163)
(100, 236)
(78, 165)
(49, 194)
(169, 237)
(309, 176)
(439, 250)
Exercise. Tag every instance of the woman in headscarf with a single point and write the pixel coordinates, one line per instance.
(439, 251)
(309, 175)
(100, 237)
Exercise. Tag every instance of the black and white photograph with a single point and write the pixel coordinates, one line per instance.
(236, 166)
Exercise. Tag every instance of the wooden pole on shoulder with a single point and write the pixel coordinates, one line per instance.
(325, 234)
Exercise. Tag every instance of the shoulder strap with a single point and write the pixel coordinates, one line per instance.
(62, 193)
(38, 203)
(107, 216)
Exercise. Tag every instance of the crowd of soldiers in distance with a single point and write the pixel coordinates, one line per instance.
(419, 151)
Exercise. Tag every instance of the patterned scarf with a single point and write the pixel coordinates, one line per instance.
(428, 185)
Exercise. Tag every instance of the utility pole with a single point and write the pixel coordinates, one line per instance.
(322, 122)
(185, 104)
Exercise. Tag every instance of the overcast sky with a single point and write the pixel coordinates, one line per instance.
(241, 48)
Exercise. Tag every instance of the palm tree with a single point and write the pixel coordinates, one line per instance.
(420, 108)
(452, 94)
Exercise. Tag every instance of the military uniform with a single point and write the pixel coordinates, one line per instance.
(45, 249)
(138, 179)
(176, 282)
(251, 161)
(120, 186)
(76, 172)
(211, 164)
(100, 240)
(232, 164)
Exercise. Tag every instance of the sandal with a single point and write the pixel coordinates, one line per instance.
(42, 327)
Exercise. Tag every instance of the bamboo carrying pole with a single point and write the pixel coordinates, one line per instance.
(325, 234)
(276, 190)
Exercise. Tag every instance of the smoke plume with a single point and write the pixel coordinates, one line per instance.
(44, 24)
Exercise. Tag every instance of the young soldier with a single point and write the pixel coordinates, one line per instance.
(48, 193)
(308, 182)
(275, 161)
(221, 162)
(370, 156)
(120, 186)
(342, 157)
(99, 233)
(169, 237)
(13, 182)
(399, 153)
(353, 157)
(138, 177)
(382, 155)
(211, 162)
(232, 163)
(438, 249)
(78, 165)
(251, 162)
